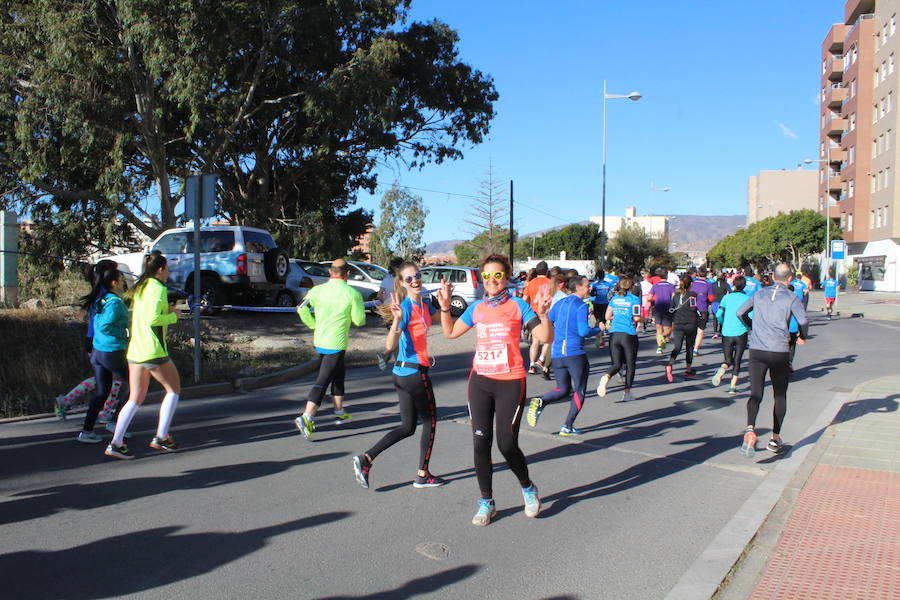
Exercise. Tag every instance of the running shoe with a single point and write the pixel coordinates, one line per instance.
(748, 446)
(59, 408)
(689, 373)
(382, 362)
(306, 426)
(627, 397)
(532, 501)
(111, 427)
(659, 350)
(487, 510)
(669, 376)
(775, 446)
(166, 444)
(361, 466)
(569, 431)
(696, 351)
(545, 373)
(340, 418)
(429, 481)
(534, 411)
(601, 389)
(733, 390)
(88, 437)
(720, 373)
(121, 452)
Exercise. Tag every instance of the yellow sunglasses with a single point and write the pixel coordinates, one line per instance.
(498, 275)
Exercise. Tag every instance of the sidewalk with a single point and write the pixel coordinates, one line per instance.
(872, 305)
(840, 537)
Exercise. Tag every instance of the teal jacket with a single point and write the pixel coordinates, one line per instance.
(111, 319)
(732, 326)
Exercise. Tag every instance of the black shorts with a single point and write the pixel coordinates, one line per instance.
(663, 318)
(704, 319)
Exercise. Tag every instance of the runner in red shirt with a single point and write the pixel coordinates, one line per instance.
(497, 381)
(537, 354)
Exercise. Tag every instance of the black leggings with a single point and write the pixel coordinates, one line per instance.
(623, 350)
(331, 370)
(503, 398)
(571, 377)
(107, 365)
(600, 312)
(733, 348)
(777, 366)
(683, 333)
(416, 399)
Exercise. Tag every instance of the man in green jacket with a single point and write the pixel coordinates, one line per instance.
(336, 306)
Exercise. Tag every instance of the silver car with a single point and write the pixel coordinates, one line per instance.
(466, 282)
(304, 274)
(364, 277)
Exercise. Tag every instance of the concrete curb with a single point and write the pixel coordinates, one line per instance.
(706, 575)
(207, 390)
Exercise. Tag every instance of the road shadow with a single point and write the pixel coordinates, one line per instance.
(146, 560)
(822, 368)
(419, 586)
(641, 474)
(35, 504)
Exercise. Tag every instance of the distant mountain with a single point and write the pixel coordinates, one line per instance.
(687, 233)
(442, 247)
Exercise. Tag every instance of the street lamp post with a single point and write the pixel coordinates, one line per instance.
(632, 96)
(810, 161)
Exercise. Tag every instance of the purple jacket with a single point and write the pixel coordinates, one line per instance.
(703, 289)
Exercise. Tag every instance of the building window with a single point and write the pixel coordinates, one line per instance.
(871, 219)
(875, 80)
(853, 89)
(883, 70)
(823, 66)
(891, 63)
(874, 113)
(890, 102)
(874, 147)
(893, 24)
(852, 120)
(881, 106)
(850, 222)
(872, 186)
(853, 53)
(851, 155)
(887, 177)
(884, 34)
(850, 188)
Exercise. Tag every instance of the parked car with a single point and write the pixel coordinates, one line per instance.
(237, 264)
(303, 275)
(364, 277)
(466, 282)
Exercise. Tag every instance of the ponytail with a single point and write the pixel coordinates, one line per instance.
(153, 262)
(99, 276)
(384, 309)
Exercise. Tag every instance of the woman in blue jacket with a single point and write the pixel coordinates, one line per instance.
(734, 333)
(110, 324)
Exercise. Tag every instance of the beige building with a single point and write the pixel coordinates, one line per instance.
(859, 119)
(655, 225)
(773, 192)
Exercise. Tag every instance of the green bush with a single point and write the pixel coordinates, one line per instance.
(853, 275)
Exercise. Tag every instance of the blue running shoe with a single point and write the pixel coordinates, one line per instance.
(306, 426)
(487, 510)
(567, 431)
(532, 501)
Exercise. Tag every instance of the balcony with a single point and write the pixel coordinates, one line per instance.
(834, 184)
(835, 70)
(835, 126)
(836, 155)
(855, 8)
(834, 41)
(835, 96)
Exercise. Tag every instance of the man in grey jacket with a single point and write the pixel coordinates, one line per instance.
(772, 309)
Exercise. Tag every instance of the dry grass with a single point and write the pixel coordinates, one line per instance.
(42, 355)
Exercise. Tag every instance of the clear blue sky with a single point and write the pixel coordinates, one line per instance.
(729, 89)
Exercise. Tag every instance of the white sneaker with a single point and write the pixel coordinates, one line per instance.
(601, 389)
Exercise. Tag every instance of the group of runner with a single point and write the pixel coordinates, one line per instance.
(555, 309)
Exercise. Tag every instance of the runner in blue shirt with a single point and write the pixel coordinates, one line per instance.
(751, 284)
(601, 290)
(570, 363)
(624, 311)
(830, 287)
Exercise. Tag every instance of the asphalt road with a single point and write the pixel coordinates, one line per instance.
(249, 509)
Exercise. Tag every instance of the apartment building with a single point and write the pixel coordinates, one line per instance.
(859, 119)
(773, 192)
(655, 225)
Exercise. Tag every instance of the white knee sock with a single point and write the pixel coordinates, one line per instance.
(166, 412)
(125, 415)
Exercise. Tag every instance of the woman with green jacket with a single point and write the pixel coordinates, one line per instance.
(148, 356)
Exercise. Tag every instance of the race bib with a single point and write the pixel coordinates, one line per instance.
(491, 359)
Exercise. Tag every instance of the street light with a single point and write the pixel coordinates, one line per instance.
(635, 96)
(656, 189)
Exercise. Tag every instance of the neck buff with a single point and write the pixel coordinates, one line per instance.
(498, 299)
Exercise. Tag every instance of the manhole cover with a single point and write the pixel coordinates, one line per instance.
(433, 550)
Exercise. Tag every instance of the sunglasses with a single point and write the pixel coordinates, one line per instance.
(496, 275)
(411, 278)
